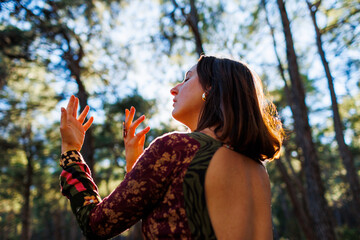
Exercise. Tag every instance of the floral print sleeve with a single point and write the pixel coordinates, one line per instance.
(77, 185)
(141, 190)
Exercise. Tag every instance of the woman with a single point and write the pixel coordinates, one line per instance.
(207, 184)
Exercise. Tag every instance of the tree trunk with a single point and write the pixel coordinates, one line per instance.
(26, 211)
(192, 20)
(73, 60)
(345, 154)
(300, 206)
(300, 210)
(58, 225)
(318, 206)
(88, 147)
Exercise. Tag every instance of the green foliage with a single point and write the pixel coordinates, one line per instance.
(14, 42)
(347, 233)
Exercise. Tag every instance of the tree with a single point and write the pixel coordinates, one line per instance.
(195, 19)
(318, 206)
(14, 44)
(345, 153)
(22, 136)
(191, 19)
(293, 185)
(50, 25)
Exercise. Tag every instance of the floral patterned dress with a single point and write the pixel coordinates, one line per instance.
(165, 189)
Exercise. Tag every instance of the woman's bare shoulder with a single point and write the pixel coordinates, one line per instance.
(237, 166)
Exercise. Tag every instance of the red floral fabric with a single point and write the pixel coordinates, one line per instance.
(151, 191)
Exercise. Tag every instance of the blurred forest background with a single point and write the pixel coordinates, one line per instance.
(115, 54)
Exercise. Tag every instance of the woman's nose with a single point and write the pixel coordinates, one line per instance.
(174, 90)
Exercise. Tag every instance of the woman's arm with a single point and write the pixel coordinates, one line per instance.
(141, 189)
(77, 185)
(75, 180)
(136, 195)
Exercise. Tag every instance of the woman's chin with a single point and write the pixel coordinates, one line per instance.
(174, 114)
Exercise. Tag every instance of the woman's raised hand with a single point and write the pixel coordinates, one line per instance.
(134, 143)
(73, 128)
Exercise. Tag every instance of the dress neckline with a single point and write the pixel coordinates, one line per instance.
(228, 146)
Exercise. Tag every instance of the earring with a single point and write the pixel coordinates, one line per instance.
(203, 97)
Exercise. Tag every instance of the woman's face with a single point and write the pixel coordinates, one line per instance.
(187, 99)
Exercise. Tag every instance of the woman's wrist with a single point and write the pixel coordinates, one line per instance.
(65, 148)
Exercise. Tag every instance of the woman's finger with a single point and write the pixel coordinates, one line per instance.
(69, 107)
(130, 117)
(125, 125)
(88, 123)
(142, 133)
(126, 114)
(75, 108)
(63, 119)
(135, 124)
(83, 115)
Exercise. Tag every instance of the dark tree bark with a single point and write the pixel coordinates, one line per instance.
(300, 209)
(73, 58)
(192, 20)
(26, 209)
(345, 153)
(319, 210)
(293, 184)
(26, 223)
(58, 225)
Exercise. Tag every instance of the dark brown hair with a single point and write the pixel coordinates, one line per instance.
(237, 109)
